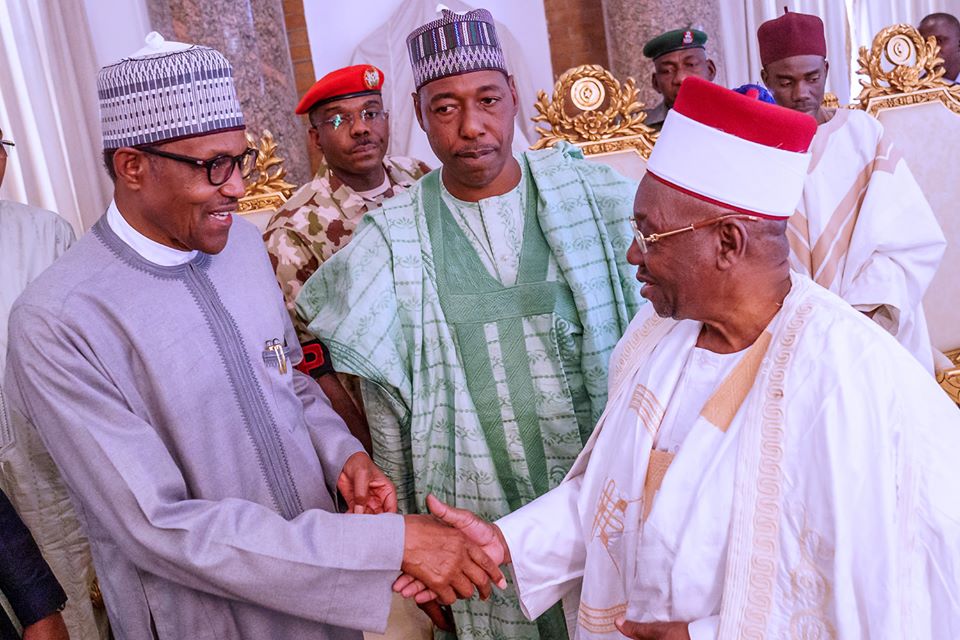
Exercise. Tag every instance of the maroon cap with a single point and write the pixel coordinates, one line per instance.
(792, 34)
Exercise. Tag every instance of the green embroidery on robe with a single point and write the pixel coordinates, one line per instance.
(479, 393)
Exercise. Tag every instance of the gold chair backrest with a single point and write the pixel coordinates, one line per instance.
(266, 189)
(604, 117)
(903, 88)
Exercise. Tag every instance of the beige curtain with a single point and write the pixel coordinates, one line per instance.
(48, 106)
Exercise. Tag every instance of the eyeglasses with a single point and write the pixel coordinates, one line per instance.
(644, 242)
(219, 168)
(366, 115)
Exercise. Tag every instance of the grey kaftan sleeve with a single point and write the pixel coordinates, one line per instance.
(329, 434)
(320, 566)
(332, 440)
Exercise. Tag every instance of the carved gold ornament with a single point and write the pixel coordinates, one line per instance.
(587, 94)
(266, 189)
(900, 61)
(268, 176)
(949, 379)
(574, 113)
(96, 596)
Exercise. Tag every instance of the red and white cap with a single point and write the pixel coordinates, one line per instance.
(733, 150)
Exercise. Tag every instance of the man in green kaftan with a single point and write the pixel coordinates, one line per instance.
(480, 306)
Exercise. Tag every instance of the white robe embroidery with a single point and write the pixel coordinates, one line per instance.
(828, 506)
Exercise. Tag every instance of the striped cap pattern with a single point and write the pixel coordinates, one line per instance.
(173, 95)
(454, 44)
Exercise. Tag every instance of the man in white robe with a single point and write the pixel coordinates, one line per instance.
(770, 464)
(863, 228)
(30, 240)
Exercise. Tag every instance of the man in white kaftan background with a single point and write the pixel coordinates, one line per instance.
(30, 240)
(771, 463)
(863, 228)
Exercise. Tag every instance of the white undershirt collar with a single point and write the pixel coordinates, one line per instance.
(372, 194)
(159, 254)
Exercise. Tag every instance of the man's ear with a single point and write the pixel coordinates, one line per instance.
(826, 68)
(416, 109)
(314, 134)
(654, 83)
(131, 167)
(513, 92)
(711, 69)
(732, 236)
(763, 78)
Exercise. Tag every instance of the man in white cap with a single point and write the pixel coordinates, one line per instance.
(156, 359)
(863, 228)
(480, 307)
(747, 479)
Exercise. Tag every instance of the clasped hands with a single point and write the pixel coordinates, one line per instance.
(447, 555)
(489, 540)
(452, 553)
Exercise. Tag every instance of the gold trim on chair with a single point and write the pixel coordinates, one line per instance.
(903, 69)
(949, 379)
(593, 110)
(266, 188)
(901, 62)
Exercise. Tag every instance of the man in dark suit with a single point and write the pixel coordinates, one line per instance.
(27, 582)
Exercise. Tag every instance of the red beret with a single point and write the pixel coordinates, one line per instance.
(358, 80)
(792, 34)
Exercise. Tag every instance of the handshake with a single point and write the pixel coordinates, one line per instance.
(450, 554)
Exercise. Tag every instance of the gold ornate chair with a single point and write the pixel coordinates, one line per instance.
(593, 110)
(266, 189)
(902, 88)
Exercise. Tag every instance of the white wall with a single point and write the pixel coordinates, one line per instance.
(117, 28)
(335, 30)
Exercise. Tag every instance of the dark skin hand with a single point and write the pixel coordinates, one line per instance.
(440, 615)
(653, 630)
(50, 628)
(365, 488)
(485, 535)
(445, 561)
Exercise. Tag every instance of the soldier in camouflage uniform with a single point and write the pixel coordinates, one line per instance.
(350, 127)
(319, 219)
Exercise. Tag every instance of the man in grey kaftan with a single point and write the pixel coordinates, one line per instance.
(156, 360)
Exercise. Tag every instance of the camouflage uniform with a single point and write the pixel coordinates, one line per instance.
(318, 220)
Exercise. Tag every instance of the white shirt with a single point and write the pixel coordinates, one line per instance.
(371, 195)
(159, 254)
(701, 376)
